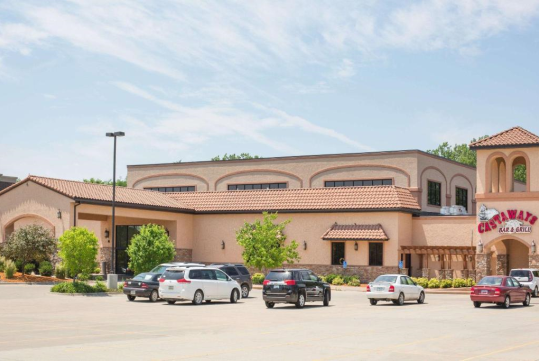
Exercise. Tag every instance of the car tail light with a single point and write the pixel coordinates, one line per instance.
(144, 285)
(266, 282)
(497, 291)
(290, 282)
(161, 280)
(183, 280)
(125, 284)
(391, 288)
(472, 290)
(368, 288)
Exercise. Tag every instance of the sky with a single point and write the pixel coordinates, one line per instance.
(189, 80)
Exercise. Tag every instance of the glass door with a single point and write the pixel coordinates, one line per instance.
(123, 240)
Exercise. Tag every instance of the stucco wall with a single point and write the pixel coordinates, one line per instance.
(444, 231)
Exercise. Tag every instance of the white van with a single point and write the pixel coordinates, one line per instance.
(197, 284)
(527, 277)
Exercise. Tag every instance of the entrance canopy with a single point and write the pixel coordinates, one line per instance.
(439, 250)
(355, 232)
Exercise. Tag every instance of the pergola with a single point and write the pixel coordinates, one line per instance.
(442, 252)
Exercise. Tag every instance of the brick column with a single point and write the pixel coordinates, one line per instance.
(472, 274)
(534, 260)
(425, 272)
(103, 255)
(501, 264)
(448, 274)
(482, 265)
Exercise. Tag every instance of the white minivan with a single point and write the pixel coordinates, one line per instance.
(197, 284)
(527, 277)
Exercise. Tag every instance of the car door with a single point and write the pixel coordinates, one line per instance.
(318, 286)
(310, 286)
(413, 291)
(519, 289)
(405, 288)
(233, 273)
(512, 290)
(208, 283)
(224, 284)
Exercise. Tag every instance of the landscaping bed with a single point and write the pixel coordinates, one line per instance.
(22, 278)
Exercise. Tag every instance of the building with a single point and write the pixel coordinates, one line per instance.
(376, 211)
(6, 181)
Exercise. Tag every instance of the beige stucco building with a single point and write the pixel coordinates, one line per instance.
(370, 210)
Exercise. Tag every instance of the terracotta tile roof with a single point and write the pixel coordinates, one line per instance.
(301, 199)
(513, 137)
(99, 192)
(355, 232)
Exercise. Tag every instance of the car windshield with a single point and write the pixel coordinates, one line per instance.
(173, 275)
(388, 279)
(159, 269)
(491, 281)
(279, 276)
(520, 274)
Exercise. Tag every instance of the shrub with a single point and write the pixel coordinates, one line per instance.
(434, 283)
(100, 279)
(2, 261)
(9, 268)
(258, 278)
(446, 284)
(150, 247)
(323, 278)
(348, 279)
(78, 250)
(120, 287)
(354, 282)
(470, 282)
(45, 268)
(83, 277)
(60, 272)
(73, 287)
(100, 287)
(97, 270)
(29, 268)
(421, 281)
(459, 282)
(330, 277)
(18, 265)
(337, 281)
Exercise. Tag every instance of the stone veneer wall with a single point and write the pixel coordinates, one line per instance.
(482, 265)
(103, 255)
(501, 264)
(534, 260)
(183, 255)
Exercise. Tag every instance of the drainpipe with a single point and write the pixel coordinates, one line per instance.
(75, 213)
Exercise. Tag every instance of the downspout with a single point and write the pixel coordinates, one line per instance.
(75, 213)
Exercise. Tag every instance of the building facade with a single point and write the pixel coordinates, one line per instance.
(6, 181)
(375, 211)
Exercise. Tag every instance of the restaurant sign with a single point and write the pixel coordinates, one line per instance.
(507, 222)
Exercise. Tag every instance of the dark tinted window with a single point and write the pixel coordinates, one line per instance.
(231, 271)
(337, 253)
(244, 271)
(173, 275)
(208, 274)
(195, 274)
(172, 189)
(434, 197)
(376, 254)
(236, 187)
(521, 274)
(461, 196)
(305, 275)
(279, 276)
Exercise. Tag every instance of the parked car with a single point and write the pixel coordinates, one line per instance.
(527, 277)
(240, 274)
(197, 284)
(296, 286)
(143, 285)
(163, 267)
(501, 290)
(395, 288)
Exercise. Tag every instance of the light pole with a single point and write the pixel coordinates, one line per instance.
(112, 265)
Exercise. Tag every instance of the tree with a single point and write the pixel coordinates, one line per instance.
(264, 245)
(235, 157)
(78, 249)
(120, 182)
(149, 248)
(30, 243)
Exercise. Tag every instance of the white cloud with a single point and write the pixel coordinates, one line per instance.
(345, 69)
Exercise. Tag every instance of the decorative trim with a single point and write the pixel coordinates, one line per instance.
(258, 171)
(359, 166)
(35, 215)
(174, 174)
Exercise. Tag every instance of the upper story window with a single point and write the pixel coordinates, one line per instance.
(241, 187)
(359, 183)
(434, 196)
(172, 189)
(461, 195)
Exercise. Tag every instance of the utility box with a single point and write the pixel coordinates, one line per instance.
(112, 282)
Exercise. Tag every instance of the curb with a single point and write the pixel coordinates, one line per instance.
(30, 283)
(97, 294)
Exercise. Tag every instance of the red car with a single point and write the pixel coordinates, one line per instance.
(501, 290)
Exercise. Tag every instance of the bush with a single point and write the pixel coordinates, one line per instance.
(470, 282)
(258, 278)
(78, 250)
(120, 287)
(337, 281)
(9, 268)
(434, 283)
(74, 287)
(2, 261)
(60, 272)
(330, 277)
(150, 247)
(83, 277)
(421, 281)
(459, 282)
(446, 284)
(100, 287)
(354, 282)
(97, 270)
(45, 268)
(348, 279)
(323, 278)
(29, 268)
(100, 279)
(18, 265)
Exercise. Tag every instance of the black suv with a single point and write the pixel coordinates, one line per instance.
(295, 286)
(238, 273)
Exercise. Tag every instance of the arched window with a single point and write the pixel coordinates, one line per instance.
(498, 176)
(519, 174)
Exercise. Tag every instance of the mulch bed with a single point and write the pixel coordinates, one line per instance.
(19, 277)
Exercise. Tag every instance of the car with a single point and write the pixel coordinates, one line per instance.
(395, 288)
(143, 285)
(501, 290)
(527, 277)
(197, 284)
(296, 286)
(240, 273)
(163, 266)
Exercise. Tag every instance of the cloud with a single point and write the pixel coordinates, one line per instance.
(345, 69)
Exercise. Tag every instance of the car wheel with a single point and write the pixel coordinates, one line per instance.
(527, 300)
(171, 302)
(301, 300)
(536, 292)
(476, 304)
(131, 298)
(326, 298)
(400, 301)
(154, 296)
(507, 302)
(270, 304)
(244, 291)
(421, 298)
(198, 298)
(234, 296)
(373, 302)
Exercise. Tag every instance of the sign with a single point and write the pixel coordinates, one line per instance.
(507, 222)
(400, 265)
(344, 264)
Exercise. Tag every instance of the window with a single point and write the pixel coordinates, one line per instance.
(221, 276)
(305, 275)
(461, 196)
(337, 253)
(359, 183)
(240, 187)
(376, 254)
(231, 271)
(244, 271)
(434, 197)
(173, 275)
(172, 189)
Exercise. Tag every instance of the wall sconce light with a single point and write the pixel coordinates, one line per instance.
(168, 232)
(304, 245)
(107, 233)
(534, 248)
(355, 246)
(480, 247)
(59, 214)
(222, 244)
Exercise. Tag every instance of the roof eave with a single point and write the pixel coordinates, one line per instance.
(479, 147)
(134, 206)
(346, 210)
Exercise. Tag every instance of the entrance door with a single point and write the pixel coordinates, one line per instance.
(408, 263)
(123, 240)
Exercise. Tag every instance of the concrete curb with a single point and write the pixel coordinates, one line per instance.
(98, 294)
(30, 283)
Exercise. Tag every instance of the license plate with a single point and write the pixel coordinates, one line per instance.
(133, 292)
(379, 288)
(484, 292)
(276, 287)
(170, 287)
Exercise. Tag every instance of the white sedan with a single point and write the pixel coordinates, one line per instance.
(394, 288)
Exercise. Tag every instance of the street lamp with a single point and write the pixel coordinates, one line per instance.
(113, 135)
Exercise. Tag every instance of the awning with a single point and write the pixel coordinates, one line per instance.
(438, 249)
(355, 232)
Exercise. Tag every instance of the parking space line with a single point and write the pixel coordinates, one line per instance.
(501, 351)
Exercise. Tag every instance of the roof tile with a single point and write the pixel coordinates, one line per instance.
(355, 232)
(515, 137)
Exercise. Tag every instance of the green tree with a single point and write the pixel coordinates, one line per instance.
(235, 157)
(30, 243)
(149, 248)
(120, 182)
(520, 173)
(264, 245)
(78, 249)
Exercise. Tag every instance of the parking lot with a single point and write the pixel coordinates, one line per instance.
(38, 325)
